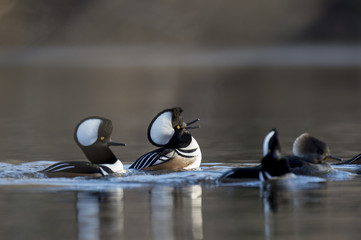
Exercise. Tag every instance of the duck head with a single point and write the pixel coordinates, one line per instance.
(167, 129)
(272, 163)
(312, 149)
(271, 145)
(92, 135)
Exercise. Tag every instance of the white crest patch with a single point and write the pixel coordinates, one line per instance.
(87, 132)
(266, 142)
(162, 129)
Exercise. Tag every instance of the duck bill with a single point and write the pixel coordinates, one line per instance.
(194, 121)
(190, 123)
(112, 143)
(331, 157)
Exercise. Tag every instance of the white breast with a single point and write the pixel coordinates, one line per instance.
(196, 154)
(115, 167)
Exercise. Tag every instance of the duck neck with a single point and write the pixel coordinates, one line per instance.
(100, 155)
(181, 139)
(274, 166)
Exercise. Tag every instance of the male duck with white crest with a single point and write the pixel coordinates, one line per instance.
(273, 165)
(309, 158)
(92, 135)
(178, 148)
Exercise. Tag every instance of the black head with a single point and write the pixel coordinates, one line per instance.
(167, 129)
(92, 135)
(272, 163)
(271, 144)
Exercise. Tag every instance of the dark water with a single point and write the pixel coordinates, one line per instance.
(238, 103)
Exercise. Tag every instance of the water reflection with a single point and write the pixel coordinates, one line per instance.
(269, 196)
(278, 198)
(173, 213)
(177, 212)
(100, 214)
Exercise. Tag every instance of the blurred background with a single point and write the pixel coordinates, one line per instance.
(200, 23)
(243, 67)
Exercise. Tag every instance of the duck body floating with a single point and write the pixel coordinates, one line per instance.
(272, 165)
(92, 135)
(309, 158)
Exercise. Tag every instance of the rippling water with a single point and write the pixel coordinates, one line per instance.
(207, 175)
(239, 96)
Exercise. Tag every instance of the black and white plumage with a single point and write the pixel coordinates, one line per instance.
(92, 136)
(178, 149)
(272, 164)
(155, 157)
(309, 158)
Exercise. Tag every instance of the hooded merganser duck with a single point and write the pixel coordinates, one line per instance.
(178, 149)
(93, 137)
(272, 165)
(309, 156)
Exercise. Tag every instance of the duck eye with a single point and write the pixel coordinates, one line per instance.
(101, 138)
(178, 127)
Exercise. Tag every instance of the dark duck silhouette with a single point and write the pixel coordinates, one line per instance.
(272, 165)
